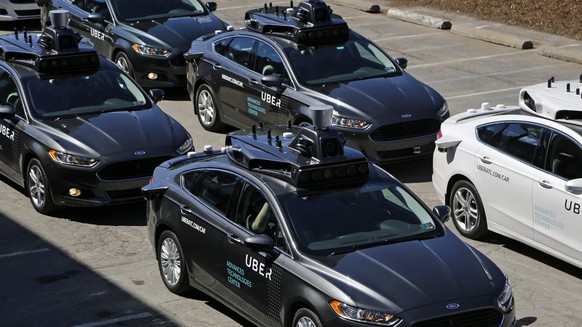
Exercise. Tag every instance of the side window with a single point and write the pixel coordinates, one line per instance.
(9, 95)
(487, 133)
(215, 188)
(519, 140)
(255, 214)
(239, 50)
(564, 157)
(268, 61)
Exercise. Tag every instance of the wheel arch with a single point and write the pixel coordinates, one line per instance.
(454, 179)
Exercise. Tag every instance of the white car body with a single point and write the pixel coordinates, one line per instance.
(538, 201)
(11, 10)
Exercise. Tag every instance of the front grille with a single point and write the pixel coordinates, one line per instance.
(408, 152)
(125, 194)
(130, 169)
(479, 318)
(33, 12)
(178, 61)
(406, 130)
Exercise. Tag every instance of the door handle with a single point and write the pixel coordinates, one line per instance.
(185, 210)
(216, 66)
(485, 160)
(254, 82)
(546, 184)
(233, 239)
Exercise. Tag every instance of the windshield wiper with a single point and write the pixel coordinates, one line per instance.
(415, 237)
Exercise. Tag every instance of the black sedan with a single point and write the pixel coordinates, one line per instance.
(147, 38)
(289, 228)
(284, 62)
(75, 129)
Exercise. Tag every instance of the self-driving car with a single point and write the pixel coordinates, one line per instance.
(11, 10)
(289, 227)
(288, 59)
(75, 130)
(147, 38)
(517, 170)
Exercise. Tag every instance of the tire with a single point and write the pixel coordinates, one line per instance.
(171, 263)
(207, 109)
(38, 188)
(467, 210)
(122, 61)
(306, 318)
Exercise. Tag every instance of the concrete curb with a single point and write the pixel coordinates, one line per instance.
(494, 33)
(492, 36)
(419, 19)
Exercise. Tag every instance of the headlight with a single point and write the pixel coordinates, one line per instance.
(505, 299)
(340, 121)
(72, 160)
(186, 146)
(362, 315)
(444, 110)
(150, 51)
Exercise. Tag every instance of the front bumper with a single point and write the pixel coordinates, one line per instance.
(170, 71)
(112, 183)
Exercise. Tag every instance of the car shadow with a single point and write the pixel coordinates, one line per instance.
(414, 171)
(131, 214)
(176, 94)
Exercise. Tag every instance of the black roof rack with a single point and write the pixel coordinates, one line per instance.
(312, 21)
(55, 50)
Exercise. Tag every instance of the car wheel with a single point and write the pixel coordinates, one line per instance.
(467, 210)
(172, 264)
(123, 62)
(38, 188)
(207, 109)
(306, 318)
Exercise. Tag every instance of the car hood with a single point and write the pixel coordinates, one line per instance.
(403, 276)
(177, 32)
(383, 97)
(120, 131)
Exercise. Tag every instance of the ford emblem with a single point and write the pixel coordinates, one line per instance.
(453, 306)
(139, 153)
(406, 116)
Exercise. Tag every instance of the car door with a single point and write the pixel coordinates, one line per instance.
(203, 212)
(232, 76)
(505, 174)
(557, 212)
(10, 126)
(266, 103)
(252, 277)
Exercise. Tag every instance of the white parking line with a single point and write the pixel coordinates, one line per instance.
(481, 93)
(14, 254)
(115, 320)
(472, 58)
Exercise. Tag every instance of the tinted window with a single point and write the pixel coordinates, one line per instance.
(96, 92)
(134, 10)
(519, 140)
(564, 157)
(9, 94)
(215, 188)
(268, 61)
(342, 220)
(487, 133)
(255, 213)
(239, 50)
(354, 59)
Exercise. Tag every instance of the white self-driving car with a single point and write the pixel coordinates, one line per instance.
(517, 171)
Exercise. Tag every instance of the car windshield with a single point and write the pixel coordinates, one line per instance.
(136, 10)
(354, 59)
(377, 213)
(62, 96)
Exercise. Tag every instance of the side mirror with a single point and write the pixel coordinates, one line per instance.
(442, 212)
(96, 19)
(272, 80)
(259, 243)
(157, 95)
(402, 62)
(6, 110)
(574, 186)
(151, 192)
(211, 6)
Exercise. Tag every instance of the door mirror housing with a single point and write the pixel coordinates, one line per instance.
(442, 212)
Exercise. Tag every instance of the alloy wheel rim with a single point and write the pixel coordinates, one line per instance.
(170, 261)
(123, 64)
(465, 210)
(206, 108)
(305, 322)
(36, 187)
